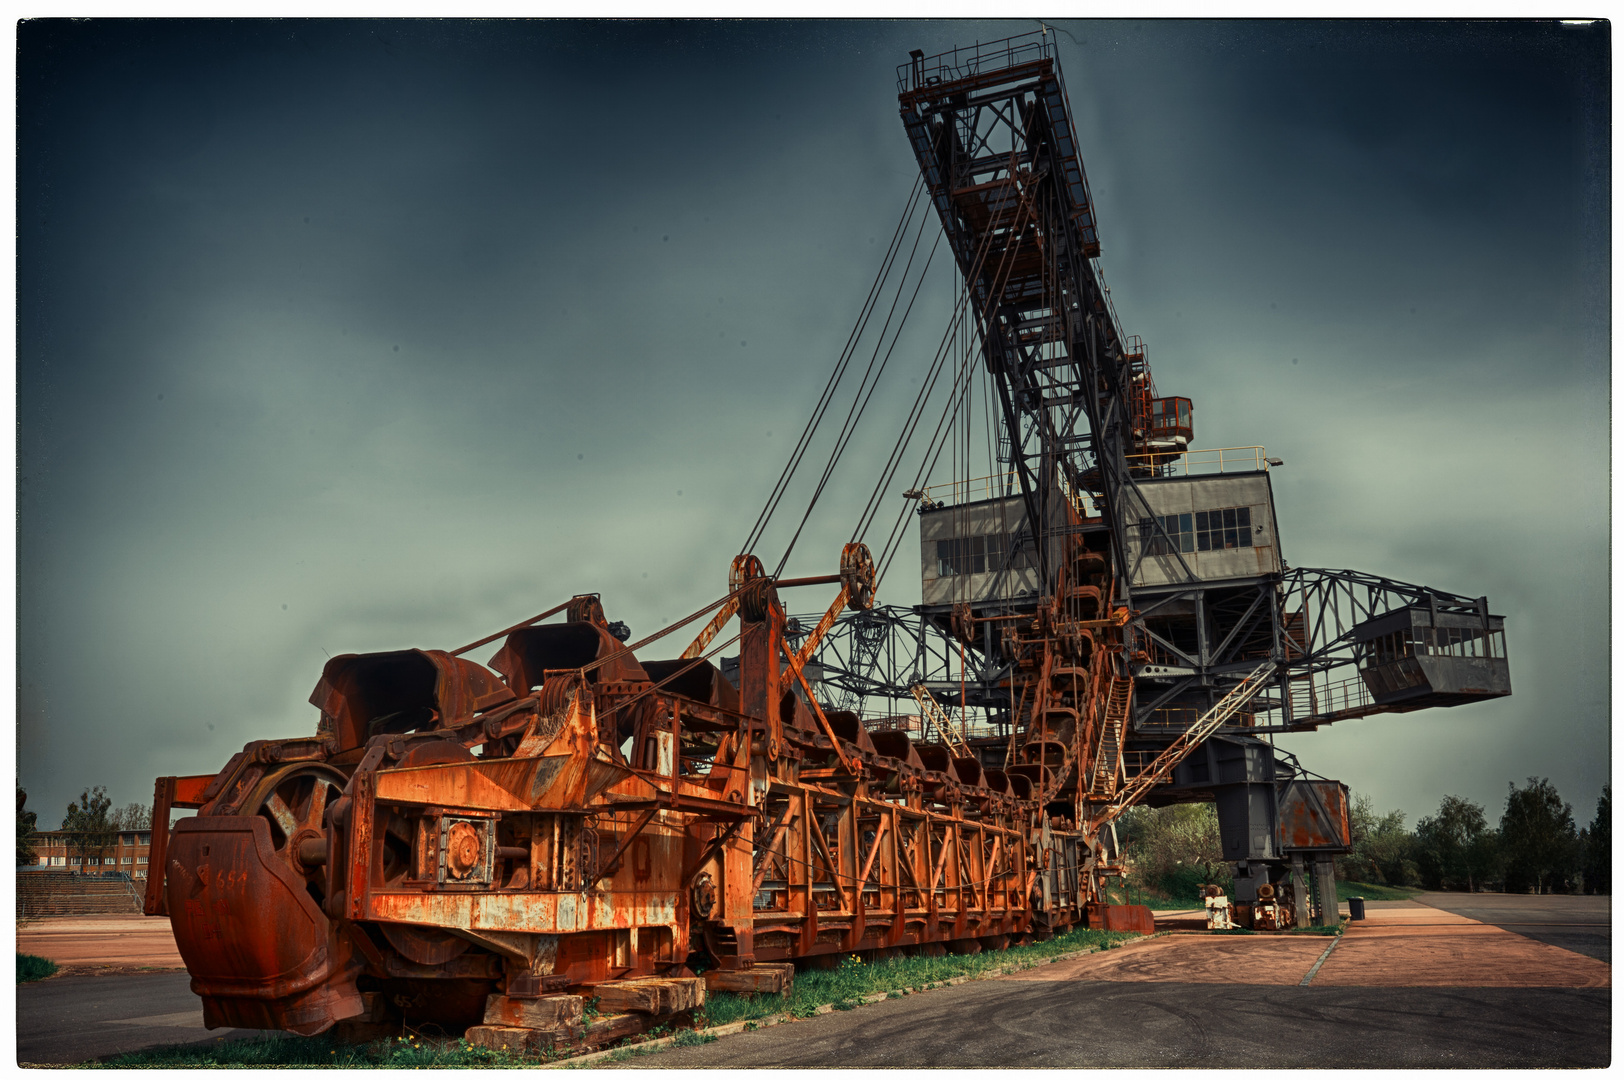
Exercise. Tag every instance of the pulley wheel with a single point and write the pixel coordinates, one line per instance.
(753, 600)
(744, 568)
(857, 575)
(294, 800)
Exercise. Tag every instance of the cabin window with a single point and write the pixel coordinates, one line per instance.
(1391, 648)
(1180, 534)
(978, 555)
(961, 555)
(1463, 641)
(1218, 530)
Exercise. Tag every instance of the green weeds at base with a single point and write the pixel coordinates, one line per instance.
(856, 978)
(690, 1037)
(33, 968)
(317, 1052)
(841, 987)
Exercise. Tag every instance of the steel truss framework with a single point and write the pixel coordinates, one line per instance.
(872, 657)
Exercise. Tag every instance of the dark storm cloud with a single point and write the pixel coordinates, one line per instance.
(418, 327)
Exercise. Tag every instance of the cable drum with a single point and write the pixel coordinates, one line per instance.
(747, 577)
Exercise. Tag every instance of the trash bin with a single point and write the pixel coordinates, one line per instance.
(1356, 907)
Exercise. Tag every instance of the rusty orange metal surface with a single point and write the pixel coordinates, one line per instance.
(1314, 815)
(573, 814)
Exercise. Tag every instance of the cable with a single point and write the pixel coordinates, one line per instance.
(860, 402)
(827, 396)
(893, 542)
(689, 666)
(943, 349)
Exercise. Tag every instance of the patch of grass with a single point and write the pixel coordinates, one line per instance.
(1346, 890)
(855, 978)
(1337, 929)
(690, 1037)
(621, 1054)
(321, 1051)
(32, 968)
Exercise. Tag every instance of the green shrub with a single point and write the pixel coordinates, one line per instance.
(33, 968)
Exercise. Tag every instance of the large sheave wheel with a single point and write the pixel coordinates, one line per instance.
(294, 799)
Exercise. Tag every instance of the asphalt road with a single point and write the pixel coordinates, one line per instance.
(77, 1018)
(1203, 1002)
(1581, 924)
(1065, 1025)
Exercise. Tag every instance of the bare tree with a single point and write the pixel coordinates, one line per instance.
(134, 817)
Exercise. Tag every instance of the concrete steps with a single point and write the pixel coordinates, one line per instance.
(42, 893)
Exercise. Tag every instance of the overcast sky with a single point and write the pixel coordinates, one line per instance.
(342, 337)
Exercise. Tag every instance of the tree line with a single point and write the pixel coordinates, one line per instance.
(92, 825)
(1535, 847)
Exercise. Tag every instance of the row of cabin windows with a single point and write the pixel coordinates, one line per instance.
(1461, 641)
(63, 860)
(978, 555)
(1204, 530)
(1169, 413)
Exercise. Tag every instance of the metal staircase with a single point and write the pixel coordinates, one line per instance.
(1108, 763)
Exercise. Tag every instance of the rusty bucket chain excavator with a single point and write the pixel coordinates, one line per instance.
(1105, 621)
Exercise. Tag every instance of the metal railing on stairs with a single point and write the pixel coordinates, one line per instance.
(1214, 718)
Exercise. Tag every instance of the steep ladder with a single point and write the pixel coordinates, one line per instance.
(938, 718)
(1214, 718)
(1108, 763)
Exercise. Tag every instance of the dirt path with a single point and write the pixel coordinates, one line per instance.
(102, 944)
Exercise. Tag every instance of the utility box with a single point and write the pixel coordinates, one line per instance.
(1313, 816)
(1213, 528)
(1425, 656)
(983, 551)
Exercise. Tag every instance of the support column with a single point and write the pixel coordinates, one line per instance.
(760, 685)
(1325, 888)
(1299, 891)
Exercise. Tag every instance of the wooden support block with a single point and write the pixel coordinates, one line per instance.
(761, 979)
(606, 1029)
(551, 1012)
(658, 997)
(517, 1040)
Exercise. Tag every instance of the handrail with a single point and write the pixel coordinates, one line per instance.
(1310, 698)
(938, 718)
(1207, 462)
(978, 59)
(959, 492)
(1180, 748)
